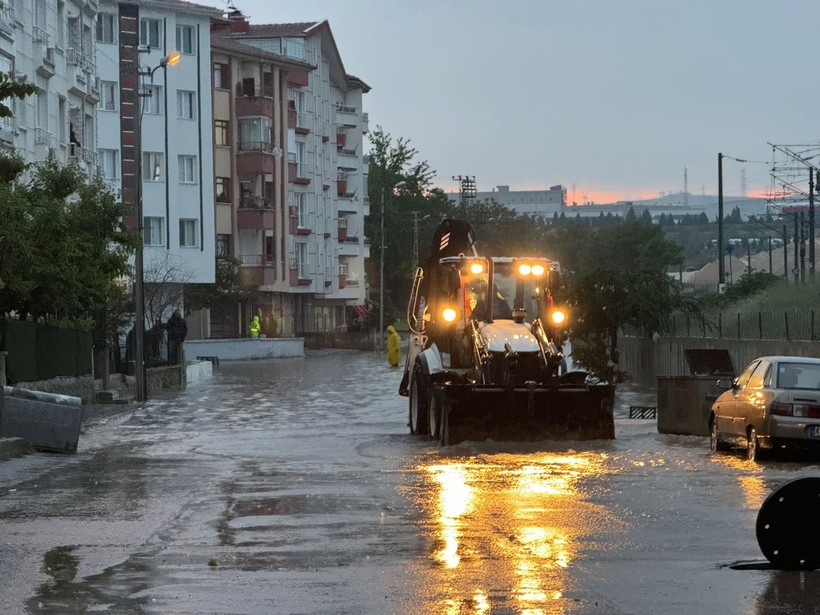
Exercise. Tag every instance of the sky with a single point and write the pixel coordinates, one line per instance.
(614, 99)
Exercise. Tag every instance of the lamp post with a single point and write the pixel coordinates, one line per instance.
(381, 261)
(139, 292)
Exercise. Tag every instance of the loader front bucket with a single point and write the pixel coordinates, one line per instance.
(476, 412)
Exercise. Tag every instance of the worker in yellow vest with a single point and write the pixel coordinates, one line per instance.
(254, 327)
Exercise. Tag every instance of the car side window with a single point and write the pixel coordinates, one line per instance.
(758, 376)
(747, 373)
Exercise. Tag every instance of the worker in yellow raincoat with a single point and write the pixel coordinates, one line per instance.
(254, 327)
(393, 341)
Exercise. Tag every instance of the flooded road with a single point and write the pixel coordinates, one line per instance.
(292, 486)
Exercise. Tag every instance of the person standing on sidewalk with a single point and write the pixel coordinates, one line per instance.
(177, 330)
(254, 326)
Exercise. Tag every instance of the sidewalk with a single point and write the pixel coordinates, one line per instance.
(94, 415)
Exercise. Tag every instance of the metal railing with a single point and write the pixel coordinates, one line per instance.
(792, 325)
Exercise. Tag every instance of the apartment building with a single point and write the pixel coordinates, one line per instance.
(51, 43)
(314, 259)
(154, 135)
(253, 221)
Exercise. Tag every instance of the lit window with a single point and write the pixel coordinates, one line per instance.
(221, 132)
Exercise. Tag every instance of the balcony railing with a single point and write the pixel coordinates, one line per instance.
(256, 259)
(256, 146)
(40, 36)
(346, 151)
(76, 58)
(341, 108)
(83, 153)
(255, 202)
(7, 17)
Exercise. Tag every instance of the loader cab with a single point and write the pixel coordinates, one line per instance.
(527, 286)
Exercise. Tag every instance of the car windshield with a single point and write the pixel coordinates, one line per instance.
(795, 375)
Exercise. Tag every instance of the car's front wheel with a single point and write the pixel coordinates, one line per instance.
(715, 443)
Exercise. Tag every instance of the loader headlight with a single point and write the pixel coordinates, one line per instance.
(476, 268)
(524, 269)
(538, 270)
(557, 317)
(449, 315)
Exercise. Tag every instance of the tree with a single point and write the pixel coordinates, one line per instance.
(621, 280)
(392, 162)
(64, 248)
(11, 88)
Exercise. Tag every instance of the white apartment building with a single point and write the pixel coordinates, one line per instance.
(51, 43)
(323, 242)
(155, 124)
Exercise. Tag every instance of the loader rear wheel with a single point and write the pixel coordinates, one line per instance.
(433, 415)
(418, 401)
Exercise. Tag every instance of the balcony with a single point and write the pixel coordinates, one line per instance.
(254, 213)
(258, 269)
(257, 157)
(253, 106)
(350, 246)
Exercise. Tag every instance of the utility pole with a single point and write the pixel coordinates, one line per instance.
(812, 187)
(721, 264)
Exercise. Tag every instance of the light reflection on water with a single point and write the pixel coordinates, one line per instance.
(522, 512)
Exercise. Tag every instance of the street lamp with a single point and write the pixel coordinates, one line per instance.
(139, 292)
(381, 261)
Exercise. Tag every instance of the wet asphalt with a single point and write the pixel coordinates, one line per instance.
(292, 486)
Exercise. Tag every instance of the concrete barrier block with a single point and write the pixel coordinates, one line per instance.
(47, 421)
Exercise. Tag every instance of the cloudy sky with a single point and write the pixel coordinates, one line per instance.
(611, 98)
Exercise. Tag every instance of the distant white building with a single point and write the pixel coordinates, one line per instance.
(176, 135)
(543, 203)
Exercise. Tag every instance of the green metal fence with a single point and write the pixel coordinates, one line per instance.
(41, 352)
(796, 325)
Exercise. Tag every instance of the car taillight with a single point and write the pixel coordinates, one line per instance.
(782, 409)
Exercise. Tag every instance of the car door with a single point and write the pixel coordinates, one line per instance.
(749, 402)
(731, 421)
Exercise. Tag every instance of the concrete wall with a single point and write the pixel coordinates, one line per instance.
(645, 360)
(684, 400)
(238, 349)
(197, 371)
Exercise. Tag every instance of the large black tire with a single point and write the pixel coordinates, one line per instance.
(418, 401)
(433, 415)
(715, 443)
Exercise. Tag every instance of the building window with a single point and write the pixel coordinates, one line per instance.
(185, 39)
(150, 33)
(110, 163)
(187, 233)
(255, 133)
(106, 28)
(223, 245)
(294, 48)
(152, 167)
(186, 104)
(187, 169)
(223, 189)
(300, 202)
(108, 95)
(221, 132)
(302, 260)
(152, 100)
(222, 77)
(153, 230)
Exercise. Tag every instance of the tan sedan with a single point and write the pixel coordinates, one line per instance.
(774, 403)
